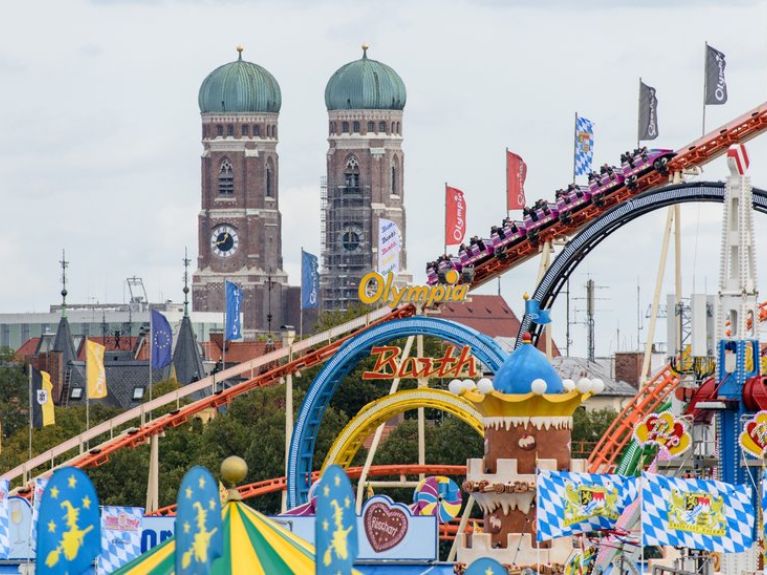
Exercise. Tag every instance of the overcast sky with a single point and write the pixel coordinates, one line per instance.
(100, 128)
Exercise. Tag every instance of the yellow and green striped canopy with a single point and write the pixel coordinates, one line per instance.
(253, 545)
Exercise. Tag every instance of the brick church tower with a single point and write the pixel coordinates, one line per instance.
(365, 164)
(239, 231)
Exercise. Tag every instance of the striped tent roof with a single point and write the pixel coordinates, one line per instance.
(253, 545)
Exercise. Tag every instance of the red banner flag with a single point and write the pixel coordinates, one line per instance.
(516, 171)
(455, 216)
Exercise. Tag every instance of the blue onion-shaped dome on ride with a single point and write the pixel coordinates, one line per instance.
(522, 367)
(365, 84)
(240, 86)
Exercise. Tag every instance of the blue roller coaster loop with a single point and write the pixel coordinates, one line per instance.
(325, 385)
(592, 235)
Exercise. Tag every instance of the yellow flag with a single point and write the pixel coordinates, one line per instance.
(49, 417)
(96, 375)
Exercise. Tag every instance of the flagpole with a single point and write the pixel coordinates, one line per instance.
(223, 344)
(639, 112)
(31, 424)
(508, 211)
(87, 391)
(151, 345)
(575, 144)
(301, 301)
(445, 224)
(705, 85)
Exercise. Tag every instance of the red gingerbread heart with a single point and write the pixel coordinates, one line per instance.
(757, 432)
(385, 526)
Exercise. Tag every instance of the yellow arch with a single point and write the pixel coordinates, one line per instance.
(376, 412)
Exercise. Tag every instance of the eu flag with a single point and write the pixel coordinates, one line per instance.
(335, 532)
(68, 525)
(162, 340)
(310, 281)
(199, 533)
(233, 300)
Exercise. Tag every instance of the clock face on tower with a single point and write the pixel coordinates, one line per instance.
(224, 241)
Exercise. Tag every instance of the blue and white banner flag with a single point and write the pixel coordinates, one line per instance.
(120, 537)
(584, 145)
(5, 520)
(37, 496)
(233, 328)
(571, 502)
(389, 246)
(696, 513)
(310, 281)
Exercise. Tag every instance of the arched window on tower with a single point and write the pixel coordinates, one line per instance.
(382, 127)
(345, 127)
(371, 127)
(226, 179)
(395, 176)
(352, 174)
(269, 178)
(356, 127)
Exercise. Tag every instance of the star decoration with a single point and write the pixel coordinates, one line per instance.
(201, 482)
(325, 525)
(337, 480)
(187, 527)
(212, 504)
(188, 492)
(72, 481)
(489, 571)
(326, 491)
(347, 501)
(51, 526)
(87, 502)
(54, 492)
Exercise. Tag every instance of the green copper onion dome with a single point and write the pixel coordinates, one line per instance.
(240, 86)
(365, 84)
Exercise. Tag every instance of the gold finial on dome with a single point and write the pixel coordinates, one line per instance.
(365, 47)
(239, 49)
(233, 471)
(525, 296)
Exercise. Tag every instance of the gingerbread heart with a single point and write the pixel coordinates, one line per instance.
(385, 526)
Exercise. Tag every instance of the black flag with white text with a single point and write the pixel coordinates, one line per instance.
(716, 86)
(648, 112)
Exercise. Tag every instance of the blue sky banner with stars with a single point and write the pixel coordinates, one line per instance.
(485, 566)
(199, 536)
(335, 535)
(68, 525)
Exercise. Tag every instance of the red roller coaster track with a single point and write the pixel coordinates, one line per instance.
(694, 154)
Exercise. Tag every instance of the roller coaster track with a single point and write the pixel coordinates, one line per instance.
(271, 371)
(697, 153)
(278, 484)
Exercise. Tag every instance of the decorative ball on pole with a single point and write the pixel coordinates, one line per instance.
(233, 471)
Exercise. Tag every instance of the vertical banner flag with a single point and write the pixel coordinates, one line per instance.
(120, 537)
(696, 513)
(584, 145)
(42, 399)
(716, 85)
(570, 502)
(389, 246)
(21, 542)
(648, 112)
(310, 281)
(37, 497)
(162, 341)
(455, 216)
(233, 328)
(335, 532)
(96, 374)
(199, 531)
(5, 520)
(516, 172)
(69, 527)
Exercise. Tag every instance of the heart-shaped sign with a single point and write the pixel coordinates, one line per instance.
(385, 526)
(753, 439)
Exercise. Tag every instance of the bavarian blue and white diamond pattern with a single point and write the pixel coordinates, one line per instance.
(738, 511)
(584, 145)
(120, 537)
(553, 489)
(5, 526)
(39, 483)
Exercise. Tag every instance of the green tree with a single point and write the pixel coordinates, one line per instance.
(590, 426)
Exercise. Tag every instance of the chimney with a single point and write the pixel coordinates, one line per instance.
(628, 367)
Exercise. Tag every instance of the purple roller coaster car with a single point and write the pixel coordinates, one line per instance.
(542, 214)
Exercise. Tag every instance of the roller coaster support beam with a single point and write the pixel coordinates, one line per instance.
(287, 341)
(153, 481)
(543, 267)
(422, 382)
(376, 437)
(645, 373)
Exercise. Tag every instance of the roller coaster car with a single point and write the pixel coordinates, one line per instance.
(644, 160)
(574, 199)
(541, 214)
